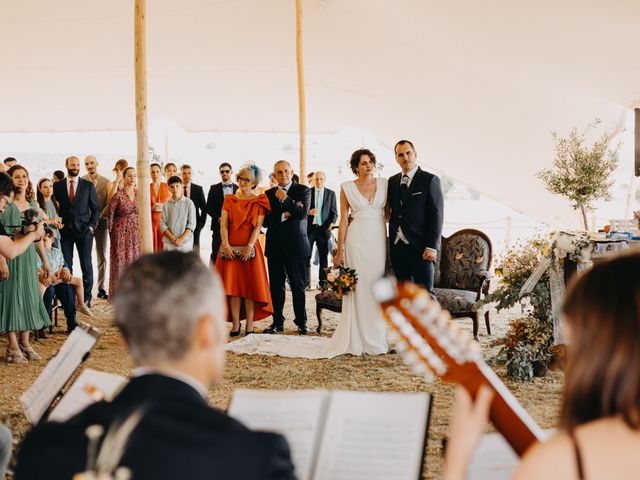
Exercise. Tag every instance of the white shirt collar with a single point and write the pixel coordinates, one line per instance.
(180, 376)
(286, 187)
(412, 172)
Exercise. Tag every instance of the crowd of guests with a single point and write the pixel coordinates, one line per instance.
(80, 212)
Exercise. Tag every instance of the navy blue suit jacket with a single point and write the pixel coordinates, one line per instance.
(289, 237)
(83, 213)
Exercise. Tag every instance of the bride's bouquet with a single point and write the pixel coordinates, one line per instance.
(340, 280)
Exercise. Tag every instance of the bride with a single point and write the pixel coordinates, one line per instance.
(361, 246)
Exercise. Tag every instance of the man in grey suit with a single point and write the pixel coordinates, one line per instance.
(101, 234)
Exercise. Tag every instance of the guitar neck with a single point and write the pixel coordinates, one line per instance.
(506, 413)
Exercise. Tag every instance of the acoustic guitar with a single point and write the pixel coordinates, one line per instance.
(432, 345)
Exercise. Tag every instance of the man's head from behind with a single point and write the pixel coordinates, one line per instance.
(171, 310)
(7, 190)
(9, 162)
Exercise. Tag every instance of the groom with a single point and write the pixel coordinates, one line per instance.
(287, 246)
(415, 225)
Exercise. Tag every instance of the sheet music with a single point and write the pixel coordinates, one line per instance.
(91, 386)
(39, 396)
(295, 414)
(493, 459)
(373, 436)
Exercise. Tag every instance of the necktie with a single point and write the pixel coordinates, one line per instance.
(185, 192)
(72, 192)
(404, 188)
(318, 218)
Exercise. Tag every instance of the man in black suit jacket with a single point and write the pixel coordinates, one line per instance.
(322, 215)
(416, 208)
(196, 194)
(287, 248)
(171, 311)
(80, 212)
(215, 199)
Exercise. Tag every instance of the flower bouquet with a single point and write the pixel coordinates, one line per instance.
(340, 280)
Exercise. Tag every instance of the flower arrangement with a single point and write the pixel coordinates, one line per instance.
(340, 280)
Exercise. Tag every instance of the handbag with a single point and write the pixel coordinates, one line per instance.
(238, 251)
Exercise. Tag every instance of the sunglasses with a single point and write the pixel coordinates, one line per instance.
(225, 171)
(244, 180)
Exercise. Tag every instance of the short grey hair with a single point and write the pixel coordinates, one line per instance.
(159, 301)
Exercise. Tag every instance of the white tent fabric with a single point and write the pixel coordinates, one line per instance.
(478, 85)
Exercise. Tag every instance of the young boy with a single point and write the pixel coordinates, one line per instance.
(56, 263)
(178, 219)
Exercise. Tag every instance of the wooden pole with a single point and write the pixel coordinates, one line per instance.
(301, 98)
(144, 177)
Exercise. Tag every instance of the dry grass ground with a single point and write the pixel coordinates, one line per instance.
(540, 397)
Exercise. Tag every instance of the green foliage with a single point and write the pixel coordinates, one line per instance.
(529, 339)
(581, 173)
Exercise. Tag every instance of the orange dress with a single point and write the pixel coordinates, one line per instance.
(163, 196)
(245, 279)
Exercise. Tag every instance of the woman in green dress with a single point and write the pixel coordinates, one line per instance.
(21, 307)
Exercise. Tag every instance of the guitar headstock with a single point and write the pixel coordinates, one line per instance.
(423, 331)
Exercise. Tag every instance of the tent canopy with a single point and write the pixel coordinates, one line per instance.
(478, 86)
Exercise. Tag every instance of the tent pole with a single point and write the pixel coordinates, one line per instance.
(140, 55)
(301, 98)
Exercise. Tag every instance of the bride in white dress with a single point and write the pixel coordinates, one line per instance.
(361, 328)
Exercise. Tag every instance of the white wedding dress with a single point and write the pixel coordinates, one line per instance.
(361, 328)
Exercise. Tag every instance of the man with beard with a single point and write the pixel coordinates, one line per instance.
(102, 230)
(215, 199)
(80, 212)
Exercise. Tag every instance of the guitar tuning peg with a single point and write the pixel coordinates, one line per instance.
(393, 336)
(411, 358)
(421, 369)
(402, 346)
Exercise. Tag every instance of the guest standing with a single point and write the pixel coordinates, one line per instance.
(159, 193)
(196, 194)
(101, 234)
(124, 231)
(48, 205)
(215, 199)
(244, 277)
(322, 215)
(21, 307)
(170, 170)
(178, 219)
(80, 212)
(287, 245)
(117, 184)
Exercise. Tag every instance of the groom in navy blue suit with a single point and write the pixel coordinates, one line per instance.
(416, 204)
(79, 211)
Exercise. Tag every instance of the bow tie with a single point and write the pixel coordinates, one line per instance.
(227, 185)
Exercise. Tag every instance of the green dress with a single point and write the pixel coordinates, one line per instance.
(21, 306)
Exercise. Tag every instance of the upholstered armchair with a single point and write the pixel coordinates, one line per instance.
(462, 274)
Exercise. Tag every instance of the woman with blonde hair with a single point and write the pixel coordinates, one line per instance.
(600, 418)
(240, 262)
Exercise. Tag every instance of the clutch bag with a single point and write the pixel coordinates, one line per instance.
(238, 251)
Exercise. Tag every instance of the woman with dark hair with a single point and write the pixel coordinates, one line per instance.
(21, 307)
(600, 418)
(57, 176)
(124, 231)
(159, 193)
(50, 207)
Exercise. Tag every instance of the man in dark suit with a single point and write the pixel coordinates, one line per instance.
(322, 215)
(215, 199)
(287, 248)
(80, 212)
(196, 194)
(416, 208)
(171, 311)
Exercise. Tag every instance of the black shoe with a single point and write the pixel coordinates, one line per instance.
(102, 294)
(235, 333)
(274, 329)
(302, 328)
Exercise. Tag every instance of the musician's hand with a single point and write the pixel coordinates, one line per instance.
(469, 419)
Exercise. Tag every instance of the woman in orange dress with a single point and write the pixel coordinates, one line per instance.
(244, 276)
(159, 194)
